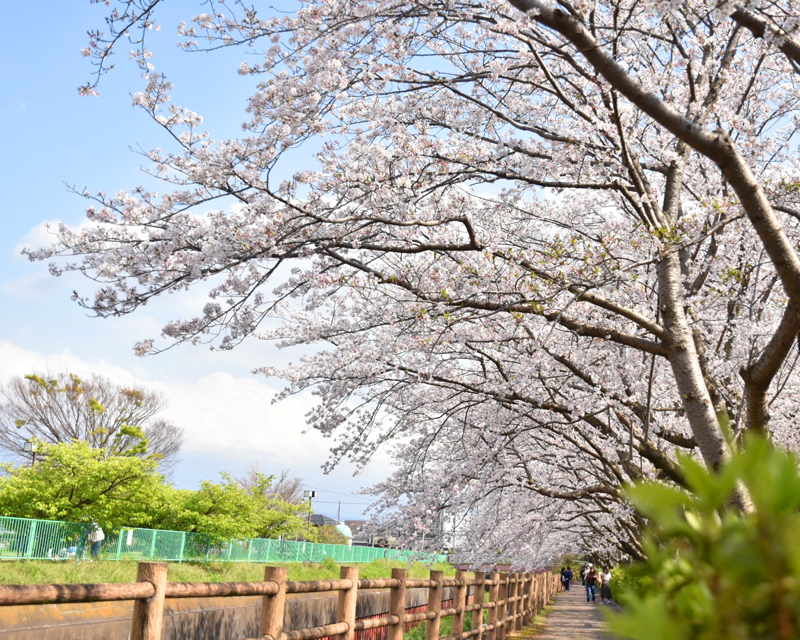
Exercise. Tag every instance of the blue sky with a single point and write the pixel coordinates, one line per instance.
(53, 137)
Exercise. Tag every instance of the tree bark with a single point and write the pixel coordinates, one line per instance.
(760, 374)
(685, 364)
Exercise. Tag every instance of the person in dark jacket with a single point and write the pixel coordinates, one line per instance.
(567, 578)
(591, 582)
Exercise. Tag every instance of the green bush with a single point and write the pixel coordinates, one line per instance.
(626, 582)
(713, 570)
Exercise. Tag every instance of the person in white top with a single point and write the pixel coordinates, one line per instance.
(605, 589)
(96, 537)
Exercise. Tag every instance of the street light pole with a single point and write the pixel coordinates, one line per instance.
(310, 495)
(30, 447)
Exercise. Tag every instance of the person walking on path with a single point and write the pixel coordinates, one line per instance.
(591, 581)
(568, 618)
(598, 585)
(583, 575)
(605, 588)
(567, 578)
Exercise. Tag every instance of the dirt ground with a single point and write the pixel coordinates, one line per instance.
(571, 618)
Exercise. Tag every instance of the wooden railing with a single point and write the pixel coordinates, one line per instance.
(514, 599)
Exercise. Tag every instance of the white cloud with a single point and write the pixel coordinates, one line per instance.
(226, 417)
(42, 235)
(30, 286)
(15, 361)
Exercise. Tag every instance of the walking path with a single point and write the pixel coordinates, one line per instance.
(571, 618)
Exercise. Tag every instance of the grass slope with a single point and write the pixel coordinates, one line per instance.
(71, 572)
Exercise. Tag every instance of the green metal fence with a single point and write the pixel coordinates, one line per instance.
(23, 539)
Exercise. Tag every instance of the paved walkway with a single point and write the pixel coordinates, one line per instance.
(571, 618)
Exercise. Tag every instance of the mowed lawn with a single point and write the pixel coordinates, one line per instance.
(86, 572)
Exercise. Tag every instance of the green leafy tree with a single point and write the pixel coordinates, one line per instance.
(221, 510)
(330, 535)
(277, 516)
(80, 483)
(226, 509)
(65, 407)
(714, 571)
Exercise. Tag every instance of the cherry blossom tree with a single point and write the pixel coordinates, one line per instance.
(544, 245)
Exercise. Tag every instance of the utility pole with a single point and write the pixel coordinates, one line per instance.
(339, 513)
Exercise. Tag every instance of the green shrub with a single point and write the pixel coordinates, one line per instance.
(626, 582)
(715, 571)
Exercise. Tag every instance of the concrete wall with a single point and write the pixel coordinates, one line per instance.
(234, 618)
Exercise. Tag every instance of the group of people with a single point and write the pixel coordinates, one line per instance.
(593, 580)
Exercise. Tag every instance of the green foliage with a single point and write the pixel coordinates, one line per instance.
(627, 581)
(330, 535)
(715, 571)
(227, 510)
(275, 517)
(222, 510)
(79, 483)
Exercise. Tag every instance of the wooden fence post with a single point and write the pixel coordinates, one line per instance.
(434, 604)
(530, 605)
(272, 606)
(515, 608)
(459, 602)
(502, 607)
(509, 603)
(148, 615)
(346, 610)
(545, 587)
(397, 604)
(523, 600)
(477, 598)
(494, 589)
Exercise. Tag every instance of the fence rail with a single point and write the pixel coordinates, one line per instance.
(25, 539)
(514, 598)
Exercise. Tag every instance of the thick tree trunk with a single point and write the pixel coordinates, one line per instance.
(685, 364)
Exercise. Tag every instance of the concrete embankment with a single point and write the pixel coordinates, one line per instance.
(233, 618)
